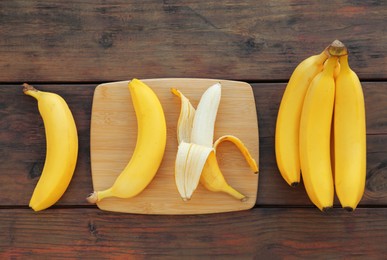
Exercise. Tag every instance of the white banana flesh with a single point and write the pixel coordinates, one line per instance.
(205, 116)
(61, 148)
(190, 160)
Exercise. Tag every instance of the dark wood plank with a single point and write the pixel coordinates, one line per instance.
(258, 233)
(76, 41)
(22, 143)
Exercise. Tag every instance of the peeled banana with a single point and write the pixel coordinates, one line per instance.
(61, 148)
(289, 113)
(149, 149)
(315, 133)
(196, 156)
(350, 137)
(198, 127)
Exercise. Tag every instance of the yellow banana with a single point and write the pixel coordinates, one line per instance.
(350, 137)
(288, 119)
(149, 149)
(61, 148)
(315, 131)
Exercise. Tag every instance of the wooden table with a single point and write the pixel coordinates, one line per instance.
(69, 47)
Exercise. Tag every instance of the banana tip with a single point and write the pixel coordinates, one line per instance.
(92, 198)
(36, 209)
(327, 209)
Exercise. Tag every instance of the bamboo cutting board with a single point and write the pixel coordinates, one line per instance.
(114, 133)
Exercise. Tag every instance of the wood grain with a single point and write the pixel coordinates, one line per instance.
(69, 47)
(270, 233)
(90, 41)
(113, 138)
(22, 145)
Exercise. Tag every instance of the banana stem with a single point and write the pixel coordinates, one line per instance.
(97, 196)
(92, 198)
(337, 48)
(30, 90)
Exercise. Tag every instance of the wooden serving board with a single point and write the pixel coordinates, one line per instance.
(114, 133)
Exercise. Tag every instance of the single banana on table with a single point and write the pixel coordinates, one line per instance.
(196, 156)
(61, 148)
(349, 137)
(315, 134)
(149, 149)
(289, 113)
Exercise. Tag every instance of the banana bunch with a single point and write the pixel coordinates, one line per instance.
(149, 149)
(61, 148)
(196, 156)
(320, 130)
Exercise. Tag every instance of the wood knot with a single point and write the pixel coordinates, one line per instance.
(251, 45)
(93, 230)
(106, 40)
(36, 170)
(377, 178)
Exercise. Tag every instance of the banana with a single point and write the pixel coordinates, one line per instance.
(314, 138)
(149, 149)
(196, 156)
(288, 119)
(61, 148)
(195, 131)
(350, 137)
